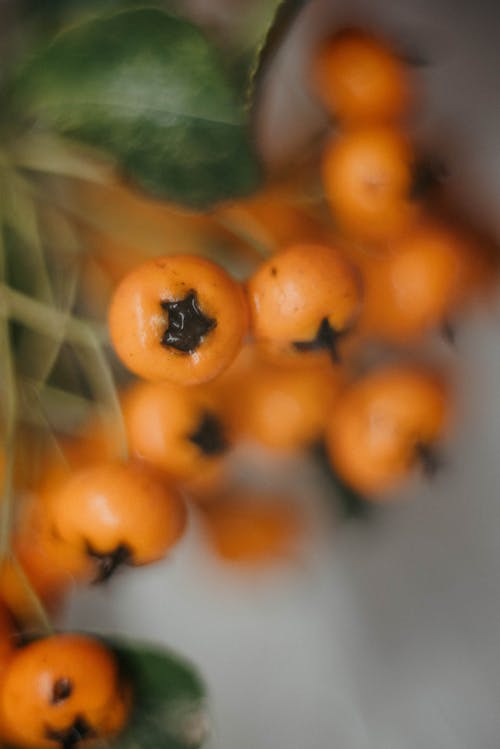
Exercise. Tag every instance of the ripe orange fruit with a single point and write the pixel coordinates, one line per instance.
(178, 318)
(384, 425)
(115, 513)
(272, 218)
(283, 409)
(368, 178)
(252, 528)
(360, 79)
(44, 565)
(97, 439)
(176, 429)
(63, 690)
(306, 297)
(419, 281)
(49, 582)
(203, 487)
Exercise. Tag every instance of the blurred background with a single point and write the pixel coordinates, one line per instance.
(380, 633)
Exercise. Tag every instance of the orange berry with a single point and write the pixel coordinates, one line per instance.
(368, 178)
(178, 318)
(416, 284)
(384, 424)
(98, 439)
(44, 564)
(283, 409)
(116, 513)
(176, 429)
(306, 297)
(272, 218)
(62, 691)
(252, 528)
(42, 567)
(360, 79)
(204, 486)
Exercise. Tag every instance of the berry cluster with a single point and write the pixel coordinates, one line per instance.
(283, 360)
(392, 272)
(61, 691)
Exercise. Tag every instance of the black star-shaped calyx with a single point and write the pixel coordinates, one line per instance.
(209, 436)
(428, 458)
(448, 332)
(61, 690)
(326, 338)
(78, 731)
(427, 175)
(108, 562)
(187, 324)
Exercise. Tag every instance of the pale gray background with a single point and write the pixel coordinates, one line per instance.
(386, 636)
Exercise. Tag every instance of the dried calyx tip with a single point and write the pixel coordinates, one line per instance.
(68, 737)
(187, 324)
(209, 436)
(428, 458)
(326, 338)
(108, 562)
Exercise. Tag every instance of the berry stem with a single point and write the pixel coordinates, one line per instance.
(49, 154)
(9, 413)
(102, 381)
(22, 217)
(66, 410)
(84, 337)
(35, 411)
(45, 319)
(257, 250)
(37, 606)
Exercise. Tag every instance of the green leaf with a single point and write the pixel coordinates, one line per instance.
(54, 13)
(275, 25)
(149, 89)
(169, 699)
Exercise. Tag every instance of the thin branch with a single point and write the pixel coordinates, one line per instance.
(51, 322)
(9, 394)
(36, 605)
(49, 154)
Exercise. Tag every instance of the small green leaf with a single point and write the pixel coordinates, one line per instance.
(169, 699)
(149, 89)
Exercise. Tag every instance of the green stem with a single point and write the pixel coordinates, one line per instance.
(48, 320)
(259, 250)
(21, 214)
(36, 605)
(51, 322)
(66, 409)
(7, 502)
(49, 154)
(101, 378)
(9, 396)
